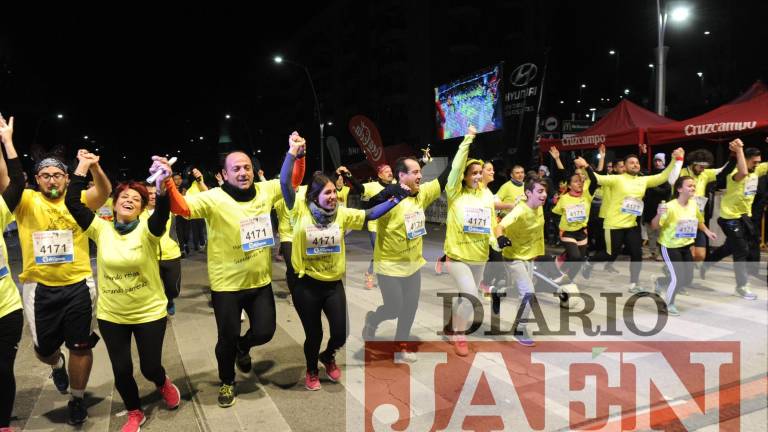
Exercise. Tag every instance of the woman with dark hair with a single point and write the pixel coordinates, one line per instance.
(318, 257)
(678, 221)
(131, 300)
(469, 223)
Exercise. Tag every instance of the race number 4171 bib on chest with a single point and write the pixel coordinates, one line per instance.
(632, 205)
(686, 228)
(323, 240)
(576, 213)
(750, 187)
(53, 247)
(414, 225)
(477, 220)
(256, 233)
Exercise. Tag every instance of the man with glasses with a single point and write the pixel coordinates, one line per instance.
(59, 292)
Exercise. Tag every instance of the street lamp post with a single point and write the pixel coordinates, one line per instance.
(678, 14)
(279, 60)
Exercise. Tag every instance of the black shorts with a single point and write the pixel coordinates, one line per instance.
(701, 239)
(62, 314)
(578, 235)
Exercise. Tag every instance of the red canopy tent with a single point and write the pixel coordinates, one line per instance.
(624, 125)
(746, 114)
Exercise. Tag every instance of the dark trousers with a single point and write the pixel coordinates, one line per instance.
(312, 298)
(739, 237)
(259, 305)
(400, 296)
(170, 274)
(631, 238)
(10, 335)
(679, 263)
(290, 274)
(149, 343)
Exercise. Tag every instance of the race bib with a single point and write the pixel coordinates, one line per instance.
(686, 228)
(633, 206)
(701, 202)
(105, 212)
(323, 240)
(414, 225)
(256, 233)
(750, 187)
(53, 247)
(575, 213)
(477, 220)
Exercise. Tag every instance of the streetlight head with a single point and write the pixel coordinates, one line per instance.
(85, 137)
(562, 102)
(583, 86)
(60, 116)
(578, 101)
(707, 32)
(612, 52)
(700, 74)
(680, 13)
(330, 123)
(227, 116)
(593, 109)
(650, 65)
(626, 91)
(278, 59)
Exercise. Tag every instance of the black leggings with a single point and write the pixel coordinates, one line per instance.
(679, 263)
(259, 305)
(182, 232)
(575, 253)
(10, 335)
(149, 343)
(633, 240)
(170, 274)
(311, 298)
(401, 299)
(739, 237)
(290, 274)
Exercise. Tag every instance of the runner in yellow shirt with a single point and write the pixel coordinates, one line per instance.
(678, 220)
(318, 258)
(735, 216)
(627, 192)
(469, 226)
(371, 189)
(131, 301)
(342, 190)
(197, 226)
(11, 316)
(520, 235)
(169, 253)
(239, 261)
(59, 292)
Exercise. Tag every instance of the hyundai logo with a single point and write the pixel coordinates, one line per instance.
(523, 74)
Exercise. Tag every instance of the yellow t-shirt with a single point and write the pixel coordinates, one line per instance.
(342, 195)
(37, 214)
(398, 249)
(739, 196)
(702, 180)
(285, 228)
(524, 227)
(234, 227)
(626, 196)
(168, 248)
(574, 211)
(370, 190)
(319, 252)
(470, 220)
(130, 289)
(606, 192)
(510, 193)
(678, 226)
(194, 188)
(10, 300)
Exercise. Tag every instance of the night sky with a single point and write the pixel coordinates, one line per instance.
(139, 82)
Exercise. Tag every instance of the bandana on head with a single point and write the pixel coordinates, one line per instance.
(50, 162)
(381, 168)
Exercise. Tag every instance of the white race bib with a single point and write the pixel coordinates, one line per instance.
(53, 247)
(632, 205)
(686, 228)
(701, 202)
(576, 213)
(256, 233)
(750, 187)
(323, 240)
(477, 220)
(414, 225)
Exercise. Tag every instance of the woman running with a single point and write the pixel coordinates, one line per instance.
(318, 257)
(679, 220)
(131, 299)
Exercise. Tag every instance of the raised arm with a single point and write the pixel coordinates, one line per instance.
(601, 162)
(15, 187)
(737, 147)
(199, 179)
(400, 192)
(295, 144)
(159, 218)
(96, 196)
(355, 184)
(82, 214)
(672, 170)
(453, 185)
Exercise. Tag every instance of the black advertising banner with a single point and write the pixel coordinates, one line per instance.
(521, 94)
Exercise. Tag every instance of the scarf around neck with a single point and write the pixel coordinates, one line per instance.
(322, 216)
(238, 194)
(125, 228)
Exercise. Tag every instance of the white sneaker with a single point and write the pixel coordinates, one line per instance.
(745, 293)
